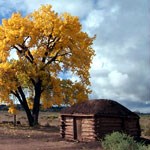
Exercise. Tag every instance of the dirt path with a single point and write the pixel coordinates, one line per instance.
(39, 139)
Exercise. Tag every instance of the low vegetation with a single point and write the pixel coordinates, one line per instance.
(145, 125)
(121, 141)
(50, 121)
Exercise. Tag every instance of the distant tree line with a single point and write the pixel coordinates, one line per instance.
(56, 108)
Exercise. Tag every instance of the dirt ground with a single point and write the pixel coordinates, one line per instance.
(41, 138)
(44, 137)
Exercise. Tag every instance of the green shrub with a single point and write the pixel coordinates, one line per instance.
(121, 141)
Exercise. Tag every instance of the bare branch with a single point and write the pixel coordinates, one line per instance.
(18, 96)
(50, 46)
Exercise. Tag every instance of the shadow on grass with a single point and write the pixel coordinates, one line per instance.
(144, 140)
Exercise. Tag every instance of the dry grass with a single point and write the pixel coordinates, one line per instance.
(46, 136)
(51, 118)
(48, 119)
(145, 125)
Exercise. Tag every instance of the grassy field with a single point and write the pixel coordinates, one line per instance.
(46, 136)
(145, 125)
(52, 119)
(45, 118)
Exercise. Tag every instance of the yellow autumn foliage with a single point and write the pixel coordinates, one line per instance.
(13, 110)
(45, 44)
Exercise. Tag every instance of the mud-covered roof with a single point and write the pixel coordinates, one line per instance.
(99, 107)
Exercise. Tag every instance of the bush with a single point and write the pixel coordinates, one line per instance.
(121, 141)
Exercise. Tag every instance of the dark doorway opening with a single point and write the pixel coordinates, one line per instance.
(77, 128)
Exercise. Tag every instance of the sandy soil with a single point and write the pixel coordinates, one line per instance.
(41, 138)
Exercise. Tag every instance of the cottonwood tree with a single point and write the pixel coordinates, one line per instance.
(34, 50)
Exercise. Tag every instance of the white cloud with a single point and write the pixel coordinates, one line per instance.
(92, 20)
(120, 69)
(117, 79)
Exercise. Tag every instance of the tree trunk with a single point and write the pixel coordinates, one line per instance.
(32, 116)
(36, 105)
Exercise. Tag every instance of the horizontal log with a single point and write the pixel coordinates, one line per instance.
(88, 134)
(132, 130)
(88, 122)
(88, 130)
(108, 126)
(87, 125)
(69, 133)
(68, 127)
(108, 122)
(108, 118)
(77, 115)
(69, 137)
(107, 130)
(133, 133)
(92, 120)
(69, 124)
(88, 138)
(69, 130)
(131, 126)
(66, 121)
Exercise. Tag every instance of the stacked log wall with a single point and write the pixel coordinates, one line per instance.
(95, 128)
(66, 130)
(88, 129)
(106, 125)
(132, 127)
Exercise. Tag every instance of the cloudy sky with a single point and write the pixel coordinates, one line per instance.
(121, 67)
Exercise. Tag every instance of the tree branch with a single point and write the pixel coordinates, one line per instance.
(18, 96)
(22, 94)
(50, 46)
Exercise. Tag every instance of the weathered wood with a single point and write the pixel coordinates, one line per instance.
(69, 124)
(95, 127)
(133, 130)
(108, 129)
(68, 137)
(78, 115)
(131, 125)
(88, 134)
(68, 121)
(87, 125)
(69, 130)
(68, 127)
(64, 121)
(108, 125)
(69, 133)
(108, 121)
(62, 130)
(88, 120)
(88, 130)
(88, 138)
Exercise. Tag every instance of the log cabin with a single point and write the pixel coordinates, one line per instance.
(93, 119)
